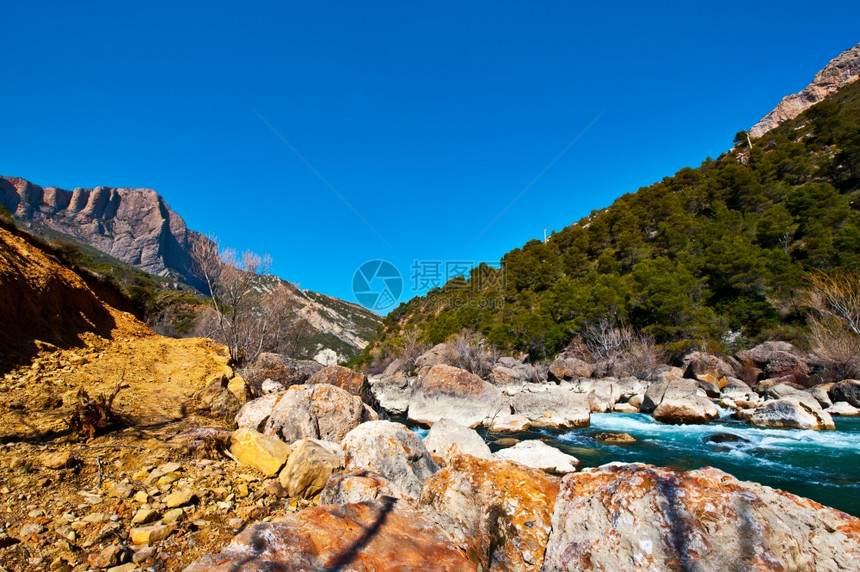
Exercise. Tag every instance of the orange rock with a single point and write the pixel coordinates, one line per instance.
(497, 512)
(370, 536)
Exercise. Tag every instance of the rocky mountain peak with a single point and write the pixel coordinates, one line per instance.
(842, 70)
(135, 226)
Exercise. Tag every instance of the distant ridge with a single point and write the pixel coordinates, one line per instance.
(842, 70)
(137, 227)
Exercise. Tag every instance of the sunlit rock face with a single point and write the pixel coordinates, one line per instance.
(640, 517)
(842, 70)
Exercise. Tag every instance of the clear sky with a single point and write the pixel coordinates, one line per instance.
(428, 118)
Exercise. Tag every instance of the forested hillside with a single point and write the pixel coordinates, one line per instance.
(711, 257)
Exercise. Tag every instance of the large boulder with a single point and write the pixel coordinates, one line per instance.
(502, 375)
(846, 390)
(538, 455)
(385, 534)
(262, 452)
(351, 381)
(736, 389)
(639, 517)
(790, 413)
(440, 353)
(216, 400)
(279, 369)
(654, 395)
(842, 409)
(784, 391)
(554, 407)
(702, 364)
(359, 486)
(447, 439)
(392, 392)
(316, 412)
(255, 413)
(498, 513)
(566, 368)
(603, 396)
(682, 403)
(308, 469)
(778, 360)
(821, 394)
(391, 450)
(447, 392)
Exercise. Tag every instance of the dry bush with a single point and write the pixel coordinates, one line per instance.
(243, 316)
(617, 351)
(92, 415)
(833, 313)
(470, 353)
(409, 349)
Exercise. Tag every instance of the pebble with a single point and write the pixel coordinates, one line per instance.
(144, 553)
(180, 498)
(144, 516)
(173, 515)
(149, 534)
(32, 528)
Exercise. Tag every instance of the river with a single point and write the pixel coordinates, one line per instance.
(820, 465)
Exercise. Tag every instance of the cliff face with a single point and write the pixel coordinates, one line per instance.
(133, 225)
(841, 71)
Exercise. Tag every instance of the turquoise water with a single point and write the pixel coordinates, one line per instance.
(821, 465)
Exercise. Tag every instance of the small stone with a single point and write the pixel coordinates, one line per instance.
(66, 532)
(274, 488)
(141, 497)
(95, 517)
(241, 490)
(128, 567)
(170, 468)
(105, 558)
(57, 460)
(144, 553)
(32, 528)
(149, 534)
(145, 516)
(60, 565)
(168, 478)
(180, 498)
(172, 516)
(235, 522)
(119, 490)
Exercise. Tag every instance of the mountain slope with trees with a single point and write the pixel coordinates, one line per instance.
(713, 257)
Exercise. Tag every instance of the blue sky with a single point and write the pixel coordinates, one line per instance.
(428, 118)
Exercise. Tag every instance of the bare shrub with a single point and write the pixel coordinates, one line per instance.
(245, 317)
(618, 351)
(470, 353)
(409, 349)
(833, 313)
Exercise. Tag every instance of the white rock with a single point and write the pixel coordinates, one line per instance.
(538, 455)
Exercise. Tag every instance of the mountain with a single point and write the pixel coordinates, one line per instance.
(136, 227)
(714, 257)
(842, 70)
(133, 225)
